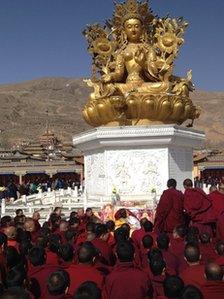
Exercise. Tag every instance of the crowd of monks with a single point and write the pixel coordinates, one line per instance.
(180, 255)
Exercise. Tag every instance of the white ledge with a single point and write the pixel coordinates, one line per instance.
(135, 136)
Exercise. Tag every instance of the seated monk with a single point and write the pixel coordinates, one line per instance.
(219, 248)
(169, 211)
(173, 287)
(58, 285)
(38, 271)
(177, 242)
(157, 275)
(207, 249)
(214, 285)
(100, 242)
(84, 270)
(220, 227)
(191, 291)
(88, 289)
(170, 259)
(194, 273)
(147, 243)
(138, 234)
(125, 274)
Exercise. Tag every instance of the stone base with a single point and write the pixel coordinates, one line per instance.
(136, 159)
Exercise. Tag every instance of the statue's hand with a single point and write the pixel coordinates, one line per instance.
(106, 78)
(140, 57)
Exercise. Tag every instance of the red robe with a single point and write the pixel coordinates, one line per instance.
(39, 276)
(105, 251)
(177, 246)
(126, 281)
(220, 260)
(169, 212)
(157, 285)
(208, 253)
(199, 208)
(213, 289)
(217, 200)
(81, 273)
(51, 258)
(194, 274)
(220, 227)
(171, 262)
(139, 234)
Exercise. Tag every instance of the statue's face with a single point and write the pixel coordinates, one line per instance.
(133, 29)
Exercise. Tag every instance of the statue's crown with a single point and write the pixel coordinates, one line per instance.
(132, 9)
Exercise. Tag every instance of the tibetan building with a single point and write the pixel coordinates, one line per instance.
(46, 157)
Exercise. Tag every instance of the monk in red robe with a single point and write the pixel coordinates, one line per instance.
(217, 199)
(100, 242)
(220, 253)
(163, 242)
(198, 206)
(194, 273)
(39, 271)
(169, 212)
(126, 281)
(214, 285)
(84, 270)
(207, 249)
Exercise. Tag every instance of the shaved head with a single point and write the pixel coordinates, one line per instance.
(213, 272)
(188, 183)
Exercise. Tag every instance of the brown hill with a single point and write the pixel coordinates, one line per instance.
(24, 106)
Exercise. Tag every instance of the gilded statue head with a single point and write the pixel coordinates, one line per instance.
(133, 29)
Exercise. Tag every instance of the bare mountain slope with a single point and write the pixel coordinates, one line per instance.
(24, 106)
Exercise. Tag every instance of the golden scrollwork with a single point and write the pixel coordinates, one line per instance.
(132, 70)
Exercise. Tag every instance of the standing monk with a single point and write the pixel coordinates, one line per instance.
(169, 212)
(198, 206)
(217, 199)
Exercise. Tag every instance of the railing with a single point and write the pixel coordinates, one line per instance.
(68, 199)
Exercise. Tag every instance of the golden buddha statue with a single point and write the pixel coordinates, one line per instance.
(133, 58)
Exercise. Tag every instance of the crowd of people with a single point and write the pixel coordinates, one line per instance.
(13, 190)
(180, 255)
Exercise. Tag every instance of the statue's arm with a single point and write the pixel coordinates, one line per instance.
(118, 74)
(150, 65)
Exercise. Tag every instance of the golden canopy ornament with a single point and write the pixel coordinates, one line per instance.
(133, 58)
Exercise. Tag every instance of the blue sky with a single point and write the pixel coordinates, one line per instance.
(40, 38)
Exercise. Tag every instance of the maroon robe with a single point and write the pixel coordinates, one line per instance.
(105, 250)
(177, 246)
(157, 285)
(194, 274)
(213, 289)
(81, 273)
(39, 276)
(52, 258)
(126, 281)
(220, 260)
(171, 262)
(220, 227)
(169, 212)
(208, 253)
(217, 200)
(199, 208)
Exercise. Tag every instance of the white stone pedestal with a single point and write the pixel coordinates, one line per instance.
(136, 159)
